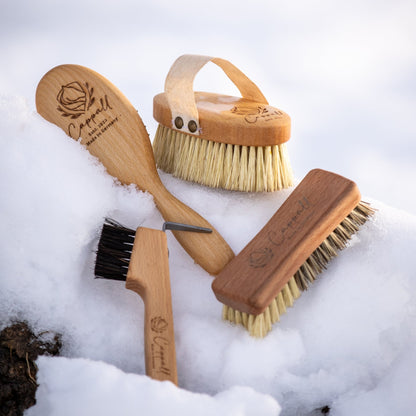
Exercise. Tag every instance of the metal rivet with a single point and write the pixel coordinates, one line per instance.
(178, 122)
(192, 126)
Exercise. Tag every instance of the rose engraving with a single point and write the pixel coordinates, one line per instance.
(260, 258)
(75, 99)
(158, 324)
(253, 114)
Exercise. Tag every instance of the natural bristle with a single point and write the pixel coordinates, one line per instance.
(221, 165)
(260, 325)
(114, 251)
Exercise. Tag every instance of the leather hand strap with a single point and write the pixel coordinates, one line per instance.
(180, 93)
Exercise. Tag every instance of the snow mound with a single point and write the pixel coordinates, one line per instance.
(84, 387)
(347, 343)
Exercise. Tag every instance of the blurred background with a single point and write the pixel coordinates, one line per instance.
(344, 71)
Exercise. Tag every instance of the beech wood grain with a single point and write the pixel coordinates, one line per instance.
(233, 120)
(91, 109)
(148, 276)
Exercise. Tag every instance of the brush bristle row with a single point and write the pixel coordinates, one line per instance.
(260, 325)
(221, 165)
(114, 251)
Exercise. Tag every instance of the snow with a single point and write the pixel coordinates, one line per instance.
(114, 392)
(344, 72)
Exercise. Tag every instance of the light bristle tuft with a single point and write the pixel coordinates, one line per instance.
(259, 325)
(222, 165)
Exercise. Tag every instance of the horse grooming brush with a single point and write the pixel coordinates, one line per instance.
(140, 258)
(312, 225)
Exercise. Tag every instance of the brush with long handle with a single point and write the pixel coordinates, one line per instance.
(90, 108)
(140, 258)
(236, 143)
(306, 232)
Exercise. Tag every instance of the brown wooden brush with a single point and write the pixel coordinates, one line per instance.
(140, 258)
(90, 108)
(218, 140)
(312, 225)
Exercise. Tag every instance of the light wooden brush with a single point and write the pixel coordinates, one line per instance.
(87, 106)
(140, 258)
(316, 220)
(218, 140)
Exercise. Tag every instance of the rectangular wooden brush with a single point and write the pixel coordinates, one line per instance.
(312, 225)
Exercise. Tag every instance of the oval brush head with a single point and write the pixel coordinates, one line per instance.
(235, 143)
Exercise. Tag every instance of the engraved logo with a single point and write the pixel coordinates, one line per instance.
(295, 223)
(158, 324)
(254, 114)
(259, 258)
(160, 360)
(75, 99)
(90, 116)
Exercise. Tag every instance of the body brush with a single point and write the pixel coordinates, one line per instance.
(235, 143)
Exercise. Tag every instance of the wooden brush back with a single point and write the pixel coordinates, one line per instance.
(315, 208)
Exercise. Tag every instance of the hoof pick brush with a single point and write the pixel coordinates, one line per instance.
(140, 258)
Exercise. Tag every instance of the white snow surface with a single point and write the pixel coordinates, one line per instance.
(113, 392)
(345, 73)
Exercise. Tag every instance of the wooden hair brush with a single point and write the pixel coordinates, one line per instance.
(218, 140)
(88, 106)
(316, 220)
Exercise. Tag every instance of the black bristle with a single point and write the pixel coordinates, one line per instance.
(114, 251)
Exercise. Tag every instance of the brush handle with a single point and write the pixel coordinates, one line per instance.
(148, 276)
(85, 104)
(209, 250)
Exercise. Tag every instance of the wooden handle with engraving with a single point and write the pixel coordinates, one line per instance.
(88, 106)
(148, 276)
(314, 209)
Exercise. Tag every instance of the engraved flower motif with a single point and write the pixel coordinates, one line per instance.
(74, 99)
(158, 324)
(254, 113)
(260, 258)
